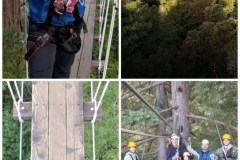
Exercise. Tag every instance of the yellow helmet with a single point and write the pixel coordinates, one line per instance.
(227, 136)
(132, 144)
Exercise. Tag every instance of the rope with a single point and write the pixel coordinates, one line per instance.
(16, 86)
(25, 32)
(143, 153)
(102, 40)
(99, 102)
(96, 107)
(92, 91)
(93, 135)
(98, 87)
(218, 134)
(17, 105)
(115, 6)
(102, 9)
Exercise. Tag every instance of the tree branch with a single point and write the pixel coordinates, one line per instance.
(214, 121)
(141, 90)
(139, 133)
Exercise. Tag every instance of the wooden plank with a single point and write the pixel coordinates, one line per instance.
(76, 63)
(95, 64)
(75, 129)
(86, 57)
(39, 139)
(25, 109)
(81, 67)
(57, 121)
(88, 111)
(97, 38)
(98, 19)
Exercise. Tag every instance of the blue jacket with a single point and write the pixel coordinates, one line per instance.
(204, 155)
(171, 151)
(39, 11)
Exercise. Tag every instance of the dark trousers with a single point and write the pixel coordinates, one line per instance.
(51, 60)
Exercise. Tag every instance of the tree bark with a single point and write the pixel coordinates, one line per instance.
(180, 99)
(161, 102)
(12, 14)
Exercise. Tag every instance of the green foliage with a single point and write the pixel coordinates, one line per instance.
(13, 53)
(217, 101)
(106, 130)
(171, 32)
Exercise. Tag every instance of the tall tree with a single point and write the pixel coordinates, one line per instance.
(161, 103)
(180, 99)
(12, 14)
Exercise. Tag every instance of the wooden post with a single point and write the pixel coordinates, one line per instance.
(180, 99)
(161, 102)
(57, 121)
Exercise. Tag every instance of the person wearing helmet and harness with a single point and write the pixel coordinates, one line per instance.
(204, 154)
(54, 36)
(227, 151)
(131, 155)
(174, 152)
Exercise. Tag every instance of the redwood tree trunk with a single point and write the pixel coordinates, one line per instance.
(180, 99)
(161, 102)
(12, 14)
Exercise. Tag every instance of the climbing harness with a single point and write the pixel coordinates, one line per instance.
(96, 107)
(17, 105)
(72, 44)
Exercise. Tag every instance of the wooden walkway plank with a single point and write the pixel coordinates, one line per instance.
(86, 58)
(57, 121)
(81, 67)
(76, 63)
(75, 129)
(39, 137)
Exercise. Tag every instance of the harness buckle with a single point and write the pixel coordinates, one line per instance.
(41, 40)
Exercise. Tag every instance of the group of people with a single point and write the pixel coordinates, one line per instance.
(175, 151)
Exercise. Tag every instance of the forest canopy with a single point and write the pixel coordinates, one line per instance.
(179, 39)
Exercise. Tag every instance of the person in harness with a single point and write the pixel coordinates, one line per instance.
(54, 36)
(131, 155)
(227, 151)
(204, 154)
(174, 152)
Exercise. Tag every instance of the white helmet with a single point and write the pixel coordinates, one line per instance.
(174, 136)
(205, 141)
(186, 154)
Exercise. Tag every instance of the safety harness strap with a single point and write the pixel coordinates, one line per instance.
(50, 14)
(38, 43)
